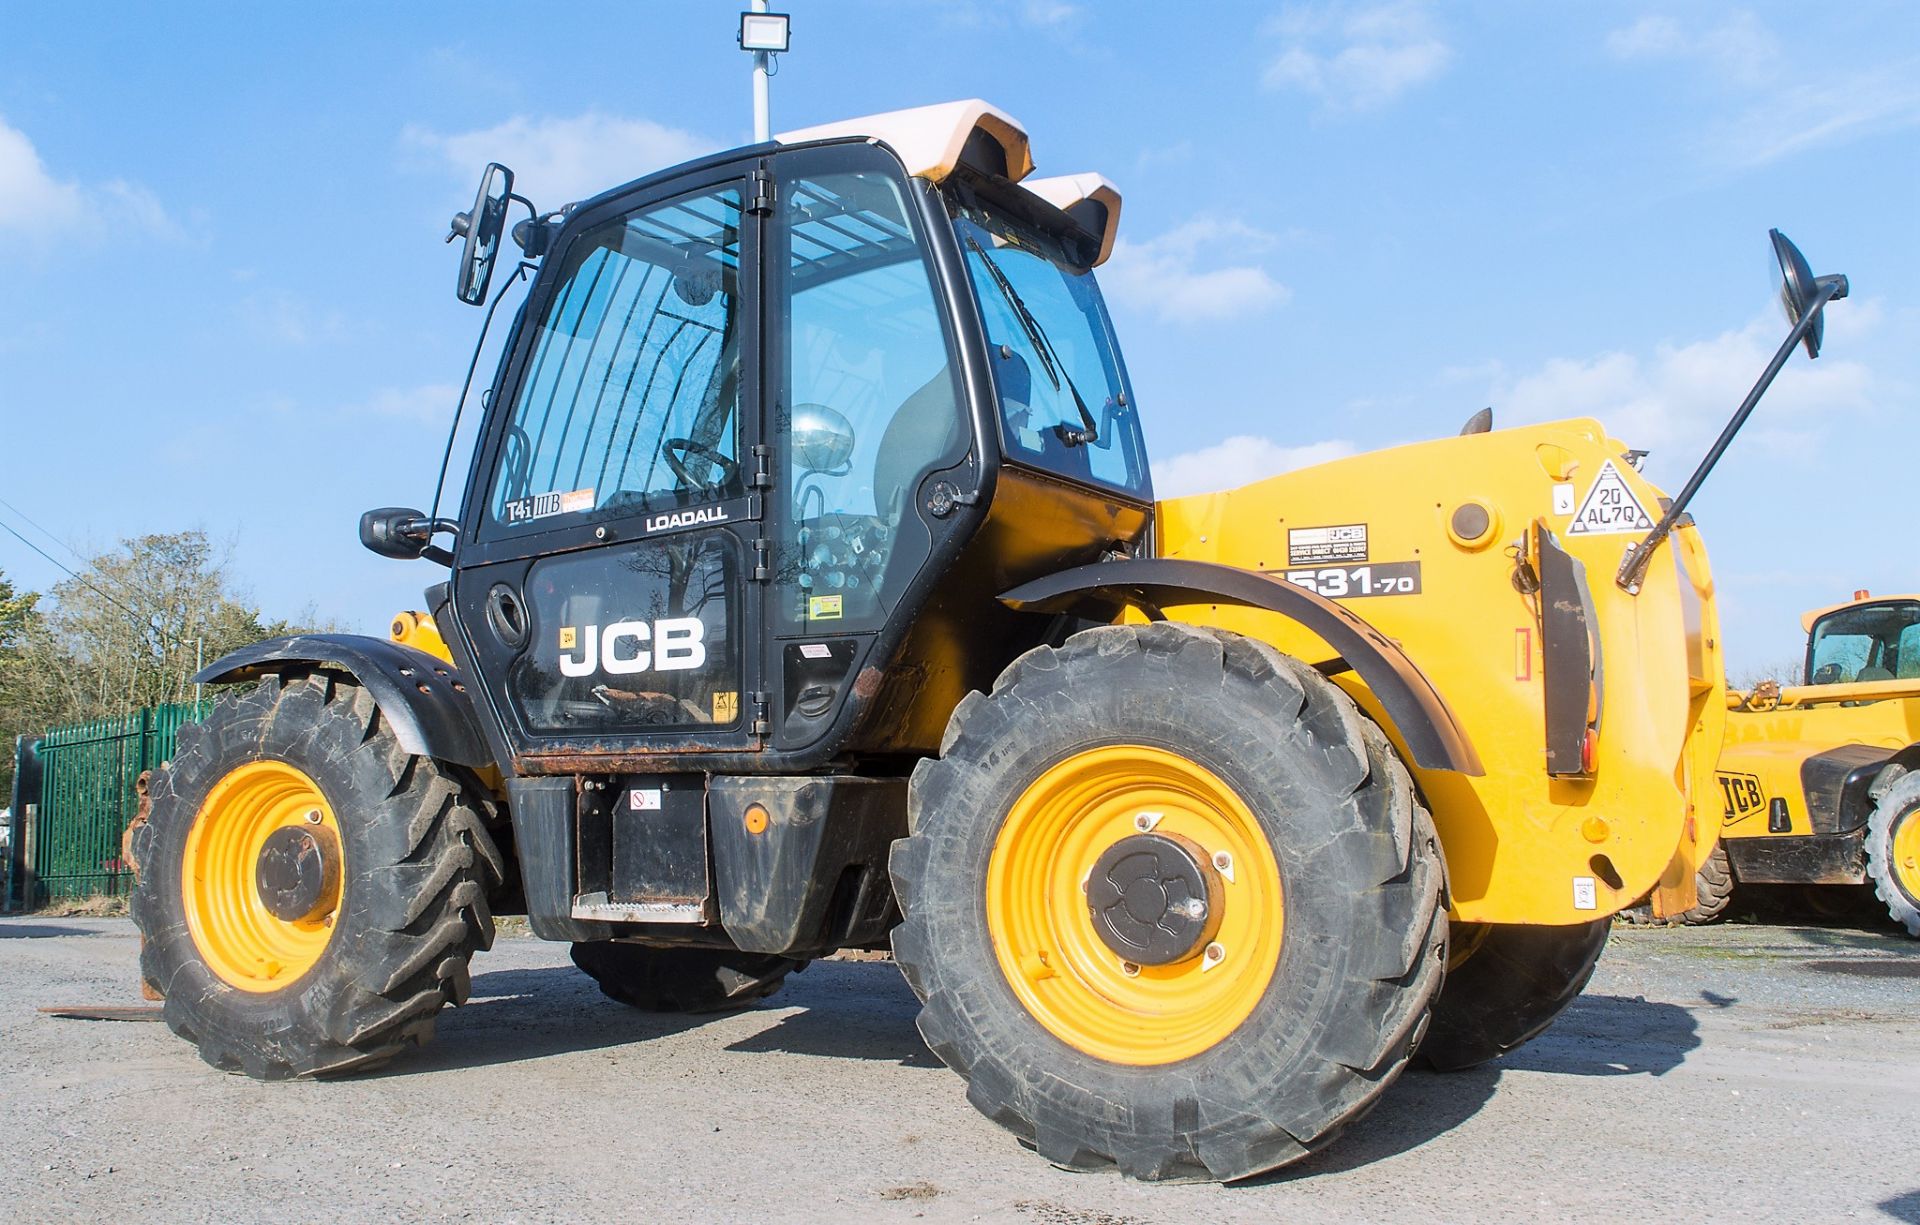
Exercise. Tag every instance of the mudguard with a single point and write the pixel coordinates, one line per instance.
(1426, 724)
(418, 694)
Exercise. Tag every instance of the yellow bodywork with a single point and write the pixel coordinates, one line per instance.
(1520, 846)
(1769, 734)
(419, 631)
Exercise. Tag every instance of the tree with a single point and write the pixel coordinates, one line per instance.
(127, 632)
(18, 616)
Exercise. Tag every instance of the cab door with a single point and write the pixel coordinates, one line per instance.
(604, 581)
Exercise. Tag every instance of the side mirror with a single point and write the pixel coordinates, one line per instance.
(481, 227)
(399, 532)
(1800, 290)
(822, 439)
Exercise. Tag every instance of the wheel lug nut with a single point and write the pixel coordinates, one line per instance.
(313, 816)
(1145, 821)
(1216, 952)
(1129, 969)
(1195, 908)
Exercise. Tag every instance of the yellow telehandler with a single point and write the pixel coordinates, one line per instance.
(808, 591)
(1816, 780)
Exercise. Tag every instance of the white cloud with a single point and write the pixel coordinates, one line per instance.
(1739, 48)
(1675, 401)
(285, 317)
(1166, 276)
(430, 404)
(1049, 12)
(1358, 59)
(1776, 108)
(1238, 461)
(35, 201)
(556, 161)
(1813, 112)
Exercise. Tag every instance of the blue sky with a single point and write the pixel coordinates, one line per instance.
(227, 304)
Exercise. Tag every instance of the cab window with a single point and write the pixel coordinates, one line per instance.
(870, 402)
(1064, 401)
(1873, 642)
(631, 392)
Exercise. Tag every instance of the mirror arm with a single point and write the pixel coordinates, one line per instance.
(425, 529)
(1633, 567)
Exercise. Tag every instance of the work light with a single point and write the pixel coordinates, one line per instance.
(763, 32)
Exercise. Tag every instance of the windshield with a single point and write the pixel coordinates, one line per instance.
(1874, 642)
(1064, 401)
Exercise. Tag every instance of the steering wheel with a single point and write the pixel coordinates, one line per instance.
(670, 450)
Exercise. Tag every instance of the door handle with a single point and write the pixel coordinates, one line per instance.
(507, 616)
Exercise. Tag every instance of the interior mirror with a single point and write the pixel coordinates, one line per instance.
(1800, 290)
(481, 227)
(395, 531)
(822, 440)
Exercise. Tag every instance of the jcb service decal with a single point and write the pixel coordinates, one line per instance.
(1742, 794)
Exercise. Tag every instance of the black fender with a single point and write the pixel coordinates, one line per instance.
(415, 690)
(1423, 719)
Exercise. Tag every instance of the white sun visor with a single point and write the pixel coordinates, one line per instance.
(930, 139)
(1090, 199)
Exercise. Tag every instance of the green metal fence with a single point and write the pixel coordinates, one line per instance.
(87, 798)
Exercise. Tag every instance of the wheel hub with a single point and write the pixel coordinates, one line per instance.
(1154, 899)
(297, 873)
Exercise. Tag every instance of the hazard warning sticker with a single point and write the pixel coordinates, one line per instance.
(1609, 508)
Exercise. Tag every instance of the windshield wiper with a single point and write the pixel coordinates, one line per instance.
(1043, 348)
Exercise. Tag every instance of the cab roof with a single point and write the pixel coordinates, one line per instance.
(933, 141)
(1808, 618)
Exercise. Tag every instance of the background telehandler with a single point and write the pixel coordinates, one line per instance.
(808, 591)
(1816, 779)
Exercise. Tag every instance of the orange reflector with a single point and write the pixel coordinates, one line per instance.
(755, 818)
(1523, 654)
(1589, 746)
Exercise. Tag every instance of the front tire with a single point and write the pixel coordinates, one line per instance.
(1893, 852)
(309, 894)
(1250, 1028)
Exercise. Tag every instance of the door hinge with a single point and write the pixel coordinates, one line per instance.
(762, 477)
(760, 726)
(760, 193)
(761, 571)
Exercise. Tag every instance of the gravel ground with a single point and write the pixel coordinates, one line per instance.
(1730, 1073)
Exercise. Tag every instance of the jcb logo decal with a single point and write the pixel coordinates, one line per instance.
(1742, 795)
(671, 644)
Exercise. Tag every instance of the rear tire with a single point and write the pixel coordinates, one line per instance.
(1713, 884)
(1893, 852)
(1512, 983)
(682, 980)
(1187, 722)
(342, 989)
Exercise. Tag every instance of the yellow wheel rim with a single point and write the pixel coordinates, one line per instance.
(1904, 848)
(242, 941)
(1043, 933)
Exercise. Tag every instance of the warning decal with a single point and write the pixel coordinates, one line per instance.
(1610, 507)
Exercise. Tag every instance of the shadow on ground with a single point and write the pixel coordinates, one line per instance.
(42, 931)
(833, 1009)
(1598, 1035)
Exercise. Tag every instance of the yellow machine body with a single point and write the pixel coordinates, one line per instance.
(1431, 544)
(1767, 743)
(1766, 786)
